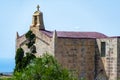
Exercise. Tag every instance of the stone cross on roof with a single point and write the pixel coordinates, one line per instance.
(38, 7)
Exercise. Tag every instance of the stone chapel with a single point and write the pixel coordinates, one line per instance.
(92, 55)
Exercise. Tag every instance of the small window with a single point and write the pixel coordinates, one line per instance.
(103, 49)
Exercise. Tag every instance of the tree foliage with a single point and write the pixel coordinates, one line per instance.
(27, 59)
(30, 36)
(18, 59)
(44, 68)
(19, 55)
(22, 61)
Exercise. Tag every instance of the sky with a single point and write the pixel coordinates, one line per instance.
(62, 15)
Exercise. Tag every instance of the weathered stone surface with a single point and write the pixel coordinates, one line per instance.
(110, 60)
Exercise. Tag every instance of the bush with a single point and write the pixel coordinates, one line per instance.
(27, 59)
(44, 68)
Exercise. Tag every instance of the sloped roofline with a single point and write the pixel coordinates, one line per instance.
(71, 34)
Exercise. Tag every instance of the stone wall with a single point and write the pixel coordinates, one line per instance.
(20, 41)
(43, 43)
(109, 62)
(77, 55)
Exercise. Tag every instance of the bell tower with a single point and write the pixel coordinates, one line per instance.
(37, 20)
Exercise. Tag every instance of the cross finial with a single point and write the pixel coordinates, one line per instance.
(38, 7)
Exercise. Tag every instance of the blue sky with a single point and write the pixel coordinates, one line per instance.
(65, 15)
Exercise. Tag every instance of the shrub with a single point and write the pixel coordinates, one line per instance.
(44, 68)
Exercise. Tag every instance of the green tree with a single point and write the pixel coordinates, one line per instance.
(18, 59)
(22, 61)
(44, 68)
(27, 59)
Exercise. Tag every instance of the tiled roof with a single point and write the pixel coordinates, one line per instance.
(65, 34)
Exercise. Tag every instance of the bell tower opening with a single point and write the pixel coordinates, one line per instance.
(35, 20)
